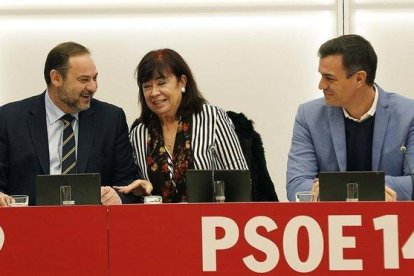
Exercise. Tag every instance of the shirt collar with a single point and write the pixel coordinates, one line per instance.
(370, 112)
(53, 113)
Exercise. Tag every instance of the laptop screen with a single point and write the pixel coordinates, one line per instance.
(333, 185)
(200, 188)
(85, 188)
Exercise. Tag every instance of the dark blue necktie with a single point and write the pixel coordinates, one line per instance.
(68, 146)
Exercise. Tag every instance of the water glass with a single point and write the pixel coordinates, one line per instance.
(352, 192)
(66, 195)
(219, 191)
(305, 196)
(19, 200)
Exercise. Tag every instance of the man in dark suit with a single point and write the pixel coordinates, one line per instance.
(32, 136)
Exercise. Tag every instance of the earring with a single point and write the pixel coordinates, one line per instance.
(183, 90)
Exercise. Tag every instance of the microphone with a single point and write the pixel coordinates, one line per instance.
(218, 186)
(403, 149)
(213, 152)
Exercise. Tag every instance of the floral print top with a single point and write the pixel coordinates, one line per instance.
(167, 169)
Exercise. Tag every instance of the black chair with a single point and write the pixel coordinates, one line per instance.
(252, 146)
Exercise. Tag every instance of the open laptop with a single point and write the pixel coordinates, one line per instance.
(371, 185)
(85, 188)
(200, 187)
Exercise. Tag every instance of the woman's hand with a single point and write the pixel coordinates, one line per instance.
(139, 187)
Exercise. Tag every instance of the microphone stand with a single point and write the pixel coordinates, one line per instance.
(403, 149)
(213, 153)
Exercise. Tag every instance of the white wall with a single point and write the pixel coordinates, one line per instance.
(257, 57)
(389, 26)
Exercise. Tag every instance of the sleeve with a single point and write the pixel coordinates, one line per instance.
(302, 166)
(138, 141)
(4, 153)
(403, 185)
(124, 170)
(230, 155)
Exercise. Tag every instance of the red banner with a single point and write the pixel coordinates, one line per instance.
(224, 239)
(53, 241)
(284, 238)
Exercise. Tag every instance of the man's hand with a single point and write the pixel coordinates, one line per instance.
(109, 196)
(139, 187)
(390, 194)
(315, 190)
(5, 200)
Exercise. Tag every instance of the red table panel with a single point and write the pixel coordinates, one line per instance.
(224, 239)
(363, 238)
(54, 240)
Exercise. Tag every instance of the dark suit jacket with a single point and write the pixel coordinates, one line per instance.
(103, 145)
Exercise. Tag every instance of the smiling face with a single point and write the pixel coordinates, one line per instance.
(338, 89)
(74, 92)
(163, 95)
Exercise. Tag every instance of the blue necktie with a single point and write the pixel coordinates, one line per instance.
(68, 146)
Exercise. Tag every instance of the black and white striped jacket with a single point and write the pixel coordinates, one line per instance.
(210, 127)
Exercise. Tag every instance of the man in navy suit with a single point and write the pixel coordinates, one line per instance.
(31, 130)
(357, 126)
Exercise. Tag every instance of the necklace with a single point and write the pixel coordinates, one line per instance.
(169, 148)
(169, 136)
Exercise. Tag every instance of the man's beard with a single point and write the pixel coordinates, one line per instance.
(67, 97)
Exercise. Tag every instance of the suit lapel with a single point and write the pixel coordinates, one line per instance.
(37, 127)
(337, 126)
(85, 137)
(380, 127)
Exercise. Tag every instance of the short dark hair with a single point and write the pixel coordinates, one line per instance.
(357, 54)
(160, 63)
(58, 58)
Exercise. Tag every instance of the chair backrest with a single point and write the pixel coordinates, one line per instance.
(252, 147)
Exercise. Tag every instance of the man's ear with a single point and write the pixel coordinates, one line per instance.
(56, 78)
(360, 78)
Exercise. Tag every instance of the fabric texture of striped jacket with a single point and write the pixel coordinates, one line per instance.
(210, 127)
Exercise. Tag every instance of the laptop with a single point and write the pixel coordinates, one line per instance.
(85, 188)
(200, 187)
(371, 185)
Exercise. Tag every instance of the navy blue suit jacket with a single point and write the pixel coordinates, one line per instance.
(103, 145)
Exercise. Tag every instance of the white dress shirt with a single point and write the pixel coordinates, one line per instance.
(55, 133)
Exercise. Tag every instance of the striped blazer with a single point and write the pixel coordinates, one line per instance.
(210, 127)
